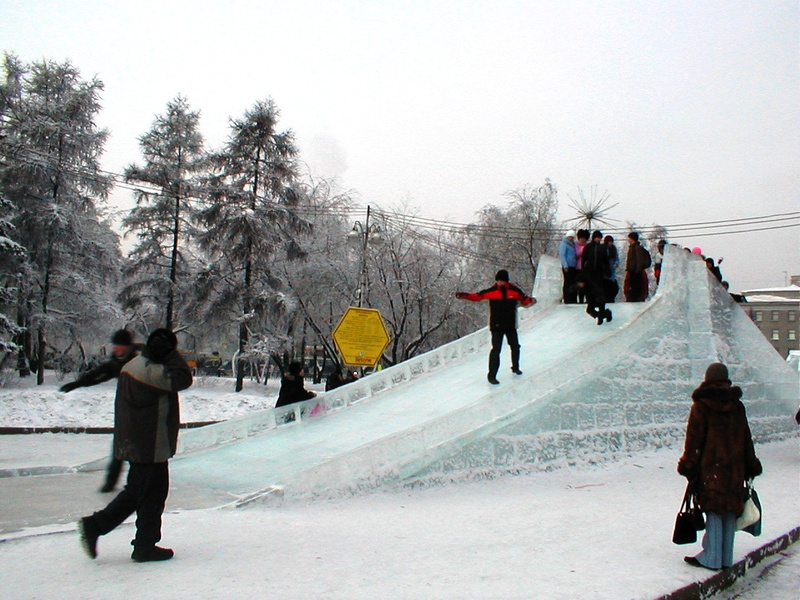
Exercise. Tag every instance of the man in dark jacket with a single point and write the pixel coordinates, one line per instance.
(146, 422)
(122, 351)
(503, 298)
(591, 281)
(636, 286)
(293, 387)
(718, 458)
(594, 294)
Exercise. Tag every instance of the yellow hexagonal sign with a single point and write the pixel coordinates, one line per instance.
(361, 337)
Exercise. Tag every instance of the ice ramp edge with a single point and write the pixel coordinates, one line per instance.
(399, 456)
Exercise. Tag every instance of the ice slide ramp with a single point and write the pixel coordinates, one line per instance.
(587, 393)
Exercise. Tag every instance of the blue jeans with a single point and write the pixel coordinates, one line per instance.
(718, 541)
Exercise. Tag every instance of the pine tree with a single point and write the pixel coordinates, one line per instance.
(49, 168)
(10, 252)
(161, 264)
(251, 217)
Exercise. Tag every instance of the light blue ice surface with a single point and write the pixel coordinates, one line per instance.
(587, 392)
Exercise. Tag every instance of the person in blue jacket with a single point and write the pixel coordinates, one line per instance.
(569, 266)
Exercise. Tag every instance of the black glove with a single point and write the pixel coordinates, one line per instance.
(68, 387)
(461, 295)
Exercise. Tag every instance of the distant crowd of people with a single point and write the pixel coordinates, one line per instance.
(590, 271)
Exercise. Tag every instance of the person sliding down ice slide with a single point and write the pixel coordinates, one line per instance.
(503, 298)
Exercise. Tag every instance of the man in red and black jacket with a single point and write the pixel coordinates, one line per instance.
(503, 298)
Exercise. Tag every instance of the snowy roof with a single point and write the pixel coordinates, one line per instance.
(788, 291)
(769, 298)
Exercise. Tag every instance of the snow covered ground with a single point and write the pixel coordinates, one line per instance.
(600, 530)
(587, 533)
(23, 404)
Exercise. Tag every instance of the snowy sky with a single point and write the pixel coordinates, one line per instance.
(680, 111)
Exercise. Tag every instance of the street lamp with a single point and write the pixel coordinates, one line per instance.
(360, 237)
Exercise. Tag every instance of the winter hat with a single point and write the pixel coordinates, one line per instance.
(716, 372)
(608, 238)
(122, 337)
(295, 368)
(160, 343)
(502, 275)
(570, 233)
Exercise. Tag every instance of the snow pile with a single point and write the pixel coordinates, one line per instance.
(24, 404)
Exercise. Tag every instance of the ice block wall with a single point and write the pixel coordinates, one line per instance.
(641, 399)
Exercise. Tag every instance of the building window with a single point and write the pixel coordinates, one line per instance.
(776, 315)
(792, 335)
(792, 316)
(758, 316)
(776, 334)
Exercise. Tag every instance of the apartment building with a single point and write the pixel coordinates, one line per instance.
(776, 312)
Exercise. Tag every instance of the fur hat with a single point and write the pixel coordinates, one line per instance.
(716, 372)
(122, 337)
(569, 234)
(502, 275)
(160, 343)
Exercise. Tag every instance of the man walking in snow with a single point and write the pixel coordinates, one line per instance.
(503, 298)
(122, 351)
(146, 421)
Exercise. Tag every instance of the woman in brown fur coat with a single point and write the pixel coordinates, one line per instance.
(718, 457)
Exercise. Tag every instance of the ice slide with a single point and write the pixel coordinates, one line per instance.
(587, 393)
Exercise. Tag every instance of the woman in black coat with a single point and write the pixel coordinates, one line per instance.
(292, 386)
(718, 457)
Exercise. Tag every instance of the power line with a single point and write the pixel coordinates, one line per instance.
(697, 229)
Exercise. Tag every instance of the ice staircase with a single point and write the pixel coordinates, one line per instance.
(588, 393)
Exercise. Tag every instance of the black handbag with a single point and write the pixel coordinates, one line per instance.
(689, 519)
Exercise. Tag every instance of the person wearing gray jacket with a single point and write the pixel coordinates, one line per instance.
(146, 422)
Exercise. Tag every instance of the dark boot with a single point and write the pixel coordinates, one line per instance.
(89, 534)
(151, 553)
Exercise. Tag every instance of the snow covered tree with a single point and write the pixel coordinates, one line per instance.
(516, 236)
(414, 277)
(10, 252)
(49, 168)
(250, 218)
(323, 285)
(161, 265)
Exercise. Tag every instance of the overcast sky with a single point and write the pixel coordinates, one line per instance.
(679, 111)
